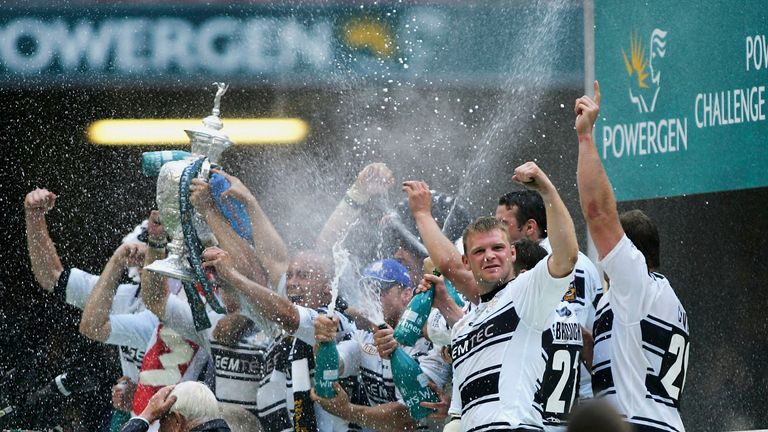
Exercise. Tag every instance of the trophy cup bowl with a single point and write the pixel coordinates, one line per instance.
(176, 264)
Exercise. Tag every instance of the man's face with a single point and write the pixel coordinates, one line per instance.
(490, 257)
(393, 302)
(508, 216)
(172, 422)
(308, 281)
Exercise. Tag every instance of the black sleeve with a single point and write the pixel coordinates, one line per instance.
(60, 289)
(135, 425)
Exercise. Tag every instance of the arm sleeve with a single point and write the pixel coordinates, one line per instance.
(79, 287)
(306, 330)
(132, 330)
(538, 293)
(455, 408)
(349, 353)
(435, 367)
(632, 290)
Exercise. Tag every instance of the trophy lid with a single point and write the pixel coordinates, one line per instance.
(208, 139)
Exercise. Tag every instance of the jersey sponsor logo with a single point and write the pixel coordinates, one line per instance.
(132, 355)
(370, 349)
(502, 324)
(252, 364)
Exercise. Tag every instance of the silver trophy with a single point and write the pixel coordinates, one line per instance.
(208, 142)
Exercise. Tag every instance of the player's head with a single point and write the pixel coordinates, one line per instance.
(596, 415)
(528, 253)
(488, 252)
(524, 214)
(195, 404)
(641, 230)
(308, 279)
(393, 283)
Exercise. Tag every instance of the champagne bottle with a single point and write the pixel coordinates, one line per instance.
(326, 369)
(412, 383)
(408, 329)
(151, 162)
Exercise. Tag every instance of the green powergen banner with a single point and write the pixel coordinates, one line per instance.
(683, 95)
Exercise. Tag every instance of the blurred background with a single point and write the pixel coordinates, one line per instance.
(454, 93)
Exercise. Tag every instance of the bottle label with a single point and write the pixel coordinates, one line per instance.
(330, 375)
(409, 315)
(423, 380)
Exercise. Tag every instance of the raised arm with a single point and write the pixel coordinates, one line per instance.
(374, 179)
(561, 232)
(46, 265)
(441, 250)
(267, 303)
(247, 260)
(94, 323)
(154, 287)
(595, 193)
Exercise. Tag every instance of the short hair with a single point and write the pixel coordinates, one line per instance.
(643, 233)
(195, 402)
(481, 225)
(528, 253)
(529, 205)
(596, 416)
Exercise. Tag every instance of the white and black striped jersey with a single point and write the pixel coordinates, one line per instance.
(584, 294)
(641, 343)
(238, 369)
(288, 372)
(558, 389)
(496, 351)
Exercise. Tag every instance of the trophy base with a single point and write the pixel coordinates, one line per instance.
(173, 267)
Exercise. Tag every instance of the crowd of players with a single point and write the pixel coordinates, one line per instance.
(537, 337)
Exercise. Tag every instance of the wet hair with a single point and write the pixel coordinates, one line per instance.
(529, 205)
(528, 253)
(484, 224)
(596, 416)
(643, 233)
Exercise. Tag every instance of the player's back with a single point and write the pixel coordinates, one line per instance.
(641, 343)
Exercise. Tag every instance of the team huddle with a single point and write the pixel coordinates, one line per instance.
(532, 336)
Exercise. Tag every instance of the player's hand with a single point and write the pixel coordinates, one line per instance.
(159, 404)
(131, 254)
(39, 201)
(338, 405)
(325, 328)
(586, 110)
(237, 189)
(531, 176)
(441, 407)
(419, 197)
(385, 341)
(442, 300)
(122, 394)
(221, 261)
(200, 196)
(374, 179)
(155, 228)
